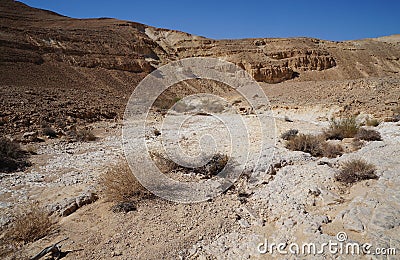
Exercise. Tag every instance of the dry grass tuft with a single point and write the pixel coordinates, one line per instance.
(119, 184)
(80, 135)
(356, 170)
(85, 135)
(368, 135)
(12, 157)
(30, 223)
(342, 128)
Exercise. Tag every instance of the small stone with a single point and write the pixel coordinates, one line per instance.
(244, 223)
(69, 209)
(125, 206)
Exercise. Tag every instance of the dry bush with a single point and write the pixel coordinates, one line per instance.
(372, 122)
(331, 150)
(306, 143)
(342, 128)
(357, 144)
(119, 184)
(289, 134)
(164, 102)
(368, 135)
(85, 135)
(396, 114)
(49, 132)
(163, 163)
(214, 166)
(81, 135)
(30, 223)
(356, 170)
(314, 145)
(395, 117)
(124, 206)
(9, 148)
(12, 157)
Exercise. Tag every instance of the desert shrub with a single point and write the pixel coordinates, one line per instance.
(356, 170)
(314, 145)
(306, 143)
(163, 163)
(49, 132)
(357, 144)
(396, 114)
(214, 166)
(289, 134)
(164, 102)
(85, 135)
(9, 148)
(372, 122)
(368, 135)
(342, 128)
(331, 150)
(30, 223)
(12, 157)
(119, 184)
(395, 117)
(124, 206)
(156, 132)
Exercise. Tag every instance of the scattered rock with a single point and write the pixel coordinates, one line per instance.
(69, 206)
(125, 206)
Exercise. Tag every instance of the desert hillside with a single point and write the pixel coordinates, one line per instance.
(84, 69)
(323, 163)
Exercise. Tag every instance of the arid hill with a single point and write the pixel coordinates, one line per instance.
(57, 70)
(59, 74)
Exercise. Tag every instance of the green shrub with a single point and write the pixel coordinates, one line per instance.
(342, 128)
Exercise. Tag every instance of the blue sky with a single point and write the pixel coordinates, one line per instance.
(330, 20)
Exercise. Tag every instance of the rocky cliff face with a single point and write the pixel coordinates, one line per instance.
(54, 66)
(38, 36)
